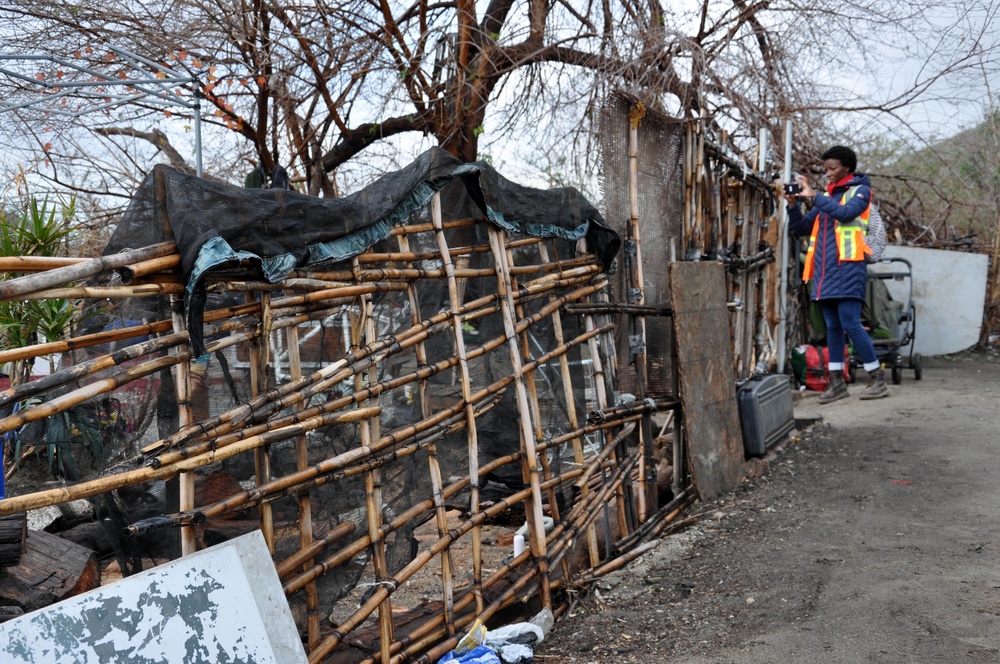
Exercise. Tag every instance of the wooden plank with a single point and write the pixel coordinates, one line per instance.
(705, 366)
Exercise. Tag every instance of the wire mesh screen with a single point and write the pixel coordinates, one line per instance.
(660, 190)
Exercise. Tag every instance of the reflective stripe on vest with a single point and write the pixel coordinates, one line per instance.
(850, 236)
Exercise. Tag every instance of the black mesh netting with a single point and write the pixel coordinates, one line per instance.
(132, 420)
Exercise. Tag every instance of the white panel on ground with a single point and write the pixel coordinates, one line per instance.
(949, 291)
(222, 605)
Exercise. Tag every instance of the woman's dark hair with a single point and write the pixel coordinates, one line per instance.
(842, 154)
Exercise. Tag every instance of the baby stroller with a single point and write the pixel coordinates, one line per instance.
(891, 323)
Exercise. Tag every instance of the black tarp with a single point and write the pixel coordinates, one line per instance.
(217, 225)
(286, 229)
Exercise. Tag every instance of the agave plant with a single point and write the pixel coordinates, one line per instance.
(38, 228)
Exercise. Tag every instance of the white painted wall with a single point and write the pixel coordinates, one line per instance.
(949, 291)
(223, 605)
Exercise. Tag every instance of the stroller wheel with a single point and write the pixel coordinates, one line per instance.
(918, 370)
(897, 375)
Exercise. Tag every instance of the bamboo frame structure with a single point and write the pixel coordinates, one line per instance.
(343, 376)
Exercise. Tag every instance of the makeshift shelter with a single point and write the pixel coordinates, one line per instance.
(381, 381)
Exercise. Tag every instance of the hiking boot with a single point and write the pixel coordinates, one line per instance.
(837, 389)
(876, 388)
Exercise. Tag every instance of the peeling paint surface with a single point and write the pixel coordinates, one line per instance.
(223, 605)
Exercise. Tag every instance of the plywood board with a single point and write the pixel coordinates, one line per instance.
(949, 290)
(220, 605)
(705, 367)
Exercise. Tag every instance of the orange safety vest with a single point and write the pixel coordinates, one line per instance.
(850, 234)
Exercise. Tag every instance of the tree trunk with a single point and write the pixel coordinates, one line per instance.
(13, 530)
(51, 569)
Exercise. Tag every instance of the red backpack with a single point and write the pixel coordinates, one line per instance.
(817, 376)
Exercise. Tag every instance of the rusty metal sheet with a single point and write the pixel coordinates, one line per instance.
(705, 366)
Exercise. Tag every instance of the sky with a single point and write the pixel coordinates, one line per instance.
(962, 43)
(899, 60)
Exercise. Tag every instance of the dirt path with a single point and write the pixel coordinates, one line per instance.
(874, 538)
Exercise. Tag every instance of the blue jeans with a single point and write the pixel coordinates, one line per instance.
(845, 316)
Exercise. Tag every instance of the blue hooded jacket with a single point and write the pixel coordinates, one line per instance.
(832, 277)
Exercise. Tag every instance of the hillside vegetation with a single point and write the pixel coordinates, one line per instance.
(945, 194)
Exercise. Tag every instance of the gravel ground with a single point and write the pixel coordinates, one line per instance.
(874, 537)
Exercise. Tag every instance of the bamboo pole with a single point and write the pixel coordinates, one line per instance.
(532, 389)
(22, 286)
(77, 397)
(602, 403)
(100, 292)
(66, 401)
(472, 439)
(35, 263)
(109, 336)
(699, 187)
(414, 274)
(407, 256)
(647, 466)
(45, 263)
(369, 429)
(148, 473)
(304, 557)
(327, 294)
(77, 371)
(735, 237)
(304, 498)
(148, 267)
(102, 362)
(258, 352)
(655, 525)
(182, 387)
(413, 229)
(665, 525)
(610, 308)
(434, 468)
(533, 509)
